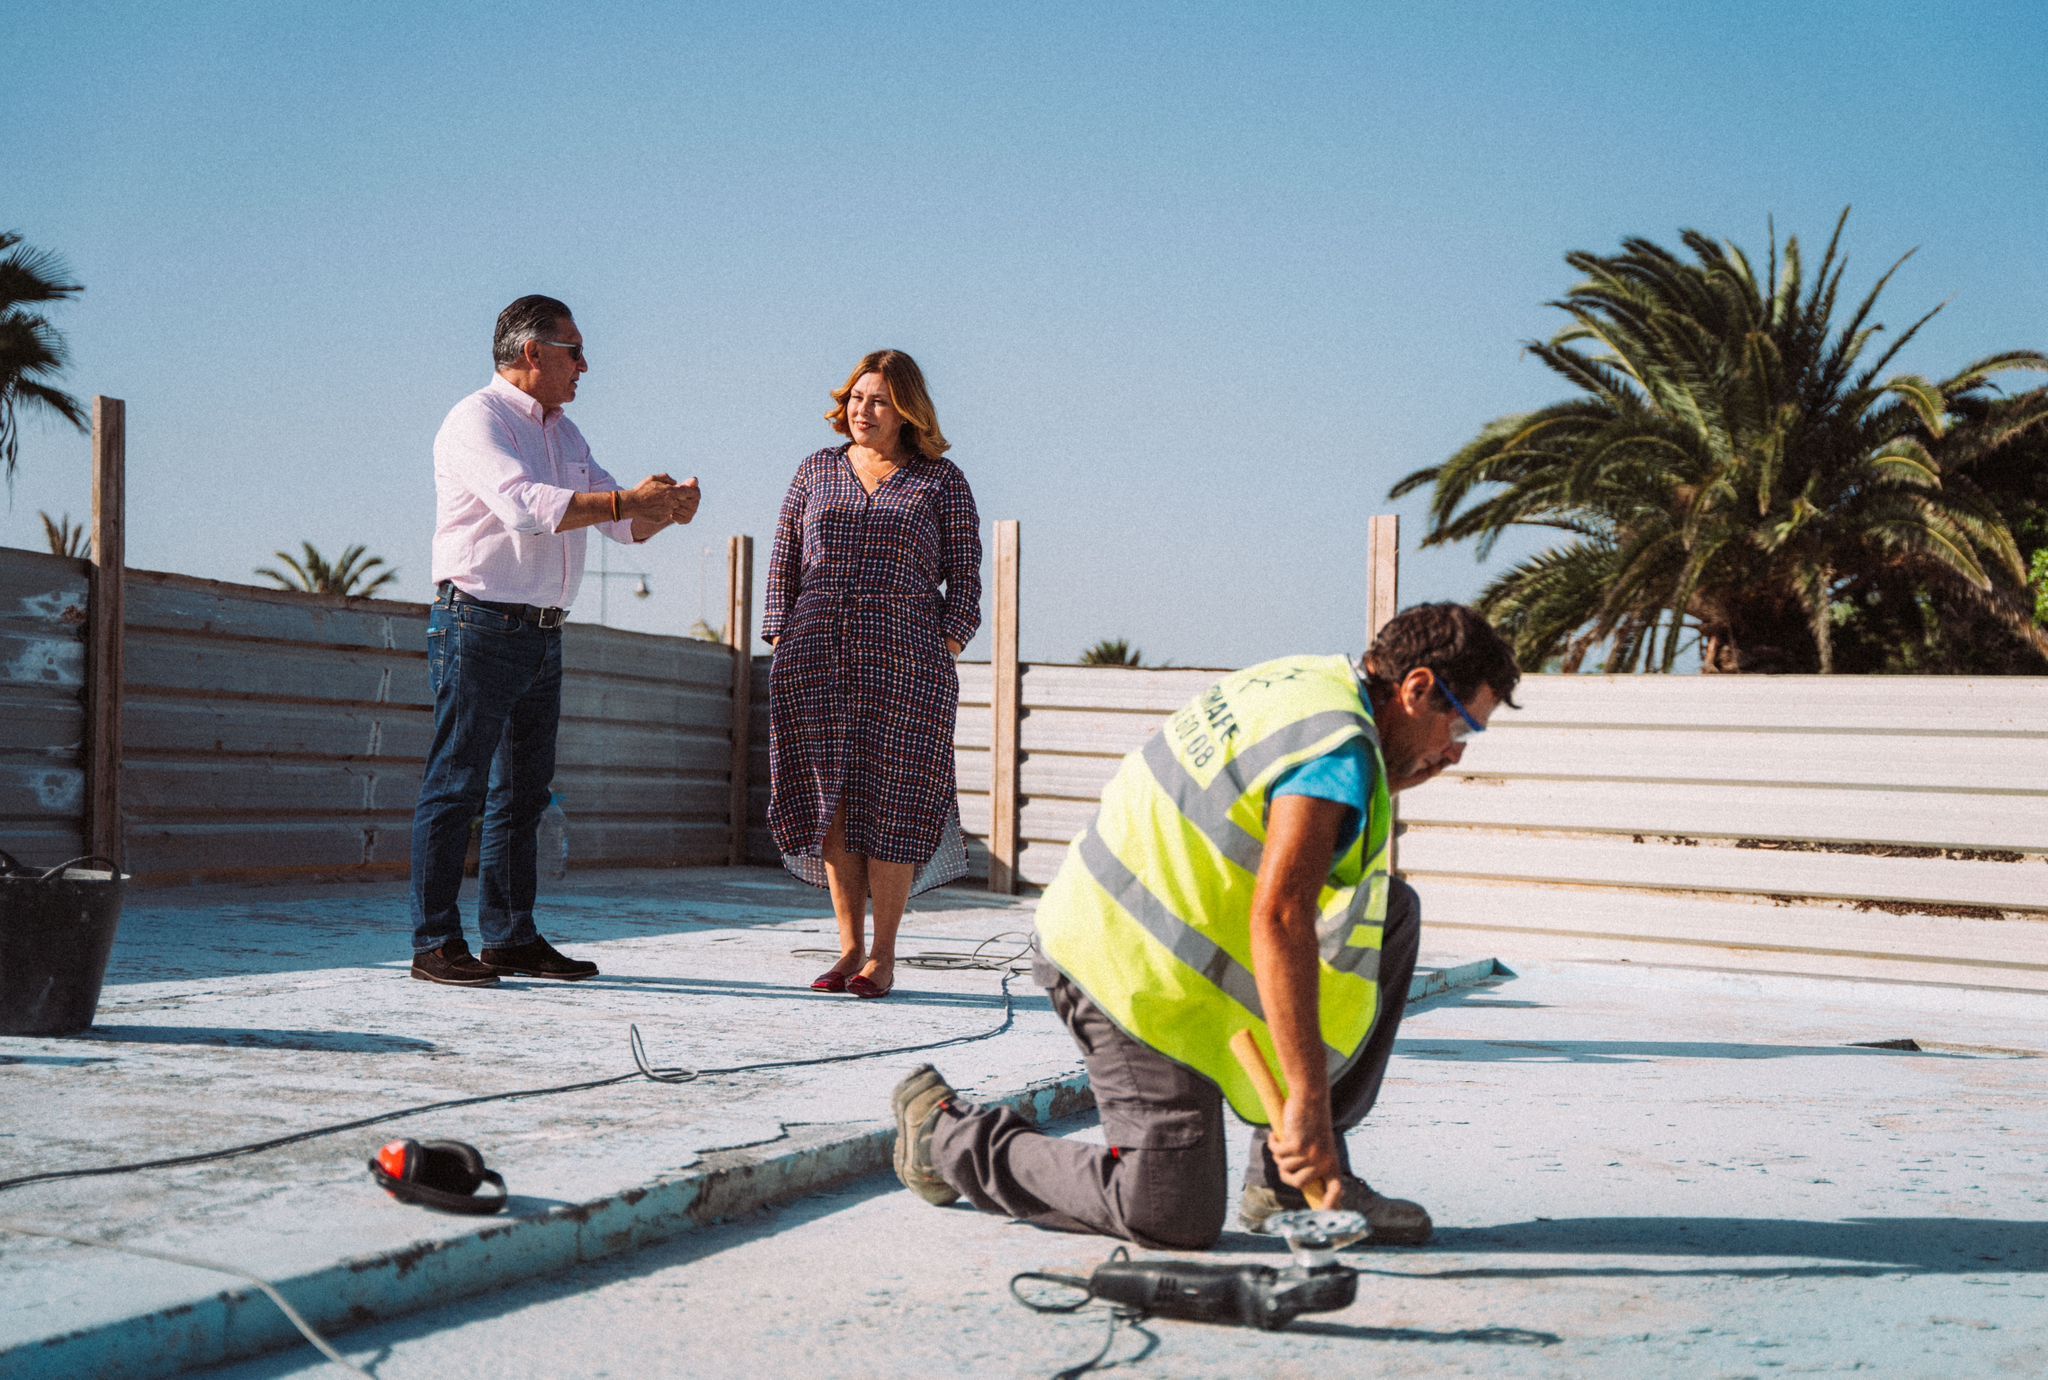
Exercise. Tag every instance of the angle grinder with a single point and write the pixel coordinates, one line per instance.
(1239, 1295)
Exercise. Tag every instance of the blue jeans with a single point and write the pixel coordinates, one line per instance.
(497, 685)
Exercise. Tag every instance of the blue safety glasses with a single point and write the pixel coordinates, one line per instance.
(1467, 728)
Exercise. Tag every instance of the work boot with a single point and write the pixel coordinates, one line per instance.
(538, 958)
(917, 1102)
(1394, 1221)
(452, 965)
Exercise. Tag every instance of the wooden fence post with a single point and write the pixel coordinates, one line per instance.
(105, 615)
(739, 635)
(1383, 601)
(1383, 582)
(1003, 697)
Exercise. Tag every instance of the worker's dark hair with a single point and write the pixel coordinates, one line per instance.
(532, 317)
(1451, 640)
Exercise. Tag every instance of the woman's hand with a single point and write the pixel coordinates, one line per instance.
(954, 647)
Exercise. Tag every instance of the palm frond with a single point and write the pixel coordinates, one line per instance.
(1729, 463)
(32, 350)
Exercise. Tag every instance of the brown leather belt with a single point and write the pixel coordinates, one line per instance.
(525, 613)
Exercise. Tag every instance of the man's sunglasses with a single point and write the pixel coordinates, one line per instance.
(1467, 728)
(575, 351)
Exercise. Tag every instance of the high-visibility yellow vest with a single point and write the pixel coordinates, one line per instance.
(1151, 911)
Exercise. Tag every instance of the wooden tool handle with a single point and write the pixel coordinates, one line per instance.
(1248, 1053)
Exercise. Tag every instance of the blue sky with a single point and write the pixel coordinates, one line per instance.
(1194, 284)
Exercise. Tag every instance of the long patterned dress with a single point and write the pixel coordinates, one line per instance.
(862, 690)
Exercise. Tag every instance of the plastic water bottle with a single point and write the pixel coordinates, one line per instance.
(552, 843)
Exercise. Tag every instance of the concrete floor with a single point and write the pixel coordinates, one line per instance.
(232, 1015)
(1635, 1172)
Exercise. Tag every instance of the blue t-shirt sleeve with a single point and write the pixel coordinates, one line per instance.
(1344, 776)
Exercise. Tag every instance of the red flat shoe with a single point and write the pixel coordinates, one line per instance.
(861, 985)
(833, 981)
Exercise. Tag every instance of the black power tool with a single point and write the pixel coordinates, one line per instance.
(1240, 1295)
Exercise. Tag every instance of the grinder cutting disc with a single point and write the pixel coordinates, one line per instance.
(1315, 1235)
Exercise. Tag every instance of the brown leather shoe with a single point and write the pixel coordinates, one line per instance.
(452, 965)
(1394, 1221)
(917, 1101)
(538, 958)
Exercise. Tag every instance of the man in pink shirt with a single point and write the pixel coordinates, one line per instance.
(515, 489)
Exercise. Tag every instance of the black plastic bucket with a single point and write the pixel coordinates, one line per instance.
(56, 931)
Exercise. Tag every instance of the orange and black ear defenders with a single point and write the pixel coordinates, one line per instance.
(439, 1174)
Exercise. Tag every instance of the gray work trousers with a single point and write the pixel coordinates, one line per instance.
(1161, 1181)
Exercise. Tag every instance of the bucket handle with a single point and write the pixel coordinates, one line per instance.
(10, 866)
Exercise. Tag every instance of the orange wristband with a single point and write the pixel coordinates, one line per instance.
(615, 505)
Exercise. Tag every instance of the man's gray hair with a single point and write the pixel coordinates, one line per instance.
(532, 317)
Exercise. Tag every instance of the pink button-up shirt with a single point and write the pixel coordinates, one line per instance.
(503, 474)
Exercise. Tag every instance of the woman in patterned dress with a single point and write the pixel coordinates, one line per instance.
(873, 589)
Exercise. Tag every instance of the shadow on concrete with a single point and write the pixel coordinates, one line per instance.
(179, 936)
(779, 896)
(713, 1240)
(1477, 998)
(528, 1205)
(1115, 1358)
(1859, 1245)
(1635, 1051)
(59, 1060)
(971, 896)
(228, 1037)
(1483, 1336)
(904, 994)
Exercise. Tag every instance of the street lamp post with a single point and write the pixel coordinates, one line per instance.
(605, 576)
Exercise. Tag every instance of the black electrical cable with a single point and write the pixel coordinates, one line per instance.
(1118, 1314)
(270, 1291)
(1086, 1287)
(641, 1070)
(691, 1075)
(971, 960)
(277, 1142)
(1116, 1317)
(940, 960)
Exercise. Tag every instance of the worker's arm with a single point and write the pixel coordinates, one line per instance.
(1301, 845)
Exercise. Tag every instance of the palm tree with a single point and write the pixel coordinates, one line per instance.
(32, 351)
(1111, 651)
(1886, 621)
(66, 539)
(349, 576)
(1734, 470)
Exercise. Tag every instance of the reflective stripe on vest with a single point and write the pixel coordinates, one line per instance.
(1150, 914)
(1208, 809)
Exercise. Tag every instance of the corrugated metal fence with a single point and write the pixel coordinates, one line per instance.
(1077, 722)
(42, 707)
(1902, 821)
(1898, 825)
(275, 734)
(1788, 821)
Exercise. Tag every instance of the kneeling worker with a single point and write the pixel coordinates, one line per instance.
(1235, 877)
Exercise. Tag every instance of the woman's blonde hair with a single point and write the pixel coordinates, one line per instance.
(907, 394)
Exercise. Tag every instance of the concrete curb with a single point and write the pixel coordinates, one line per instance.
(240, 1322)
(1437, 981)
